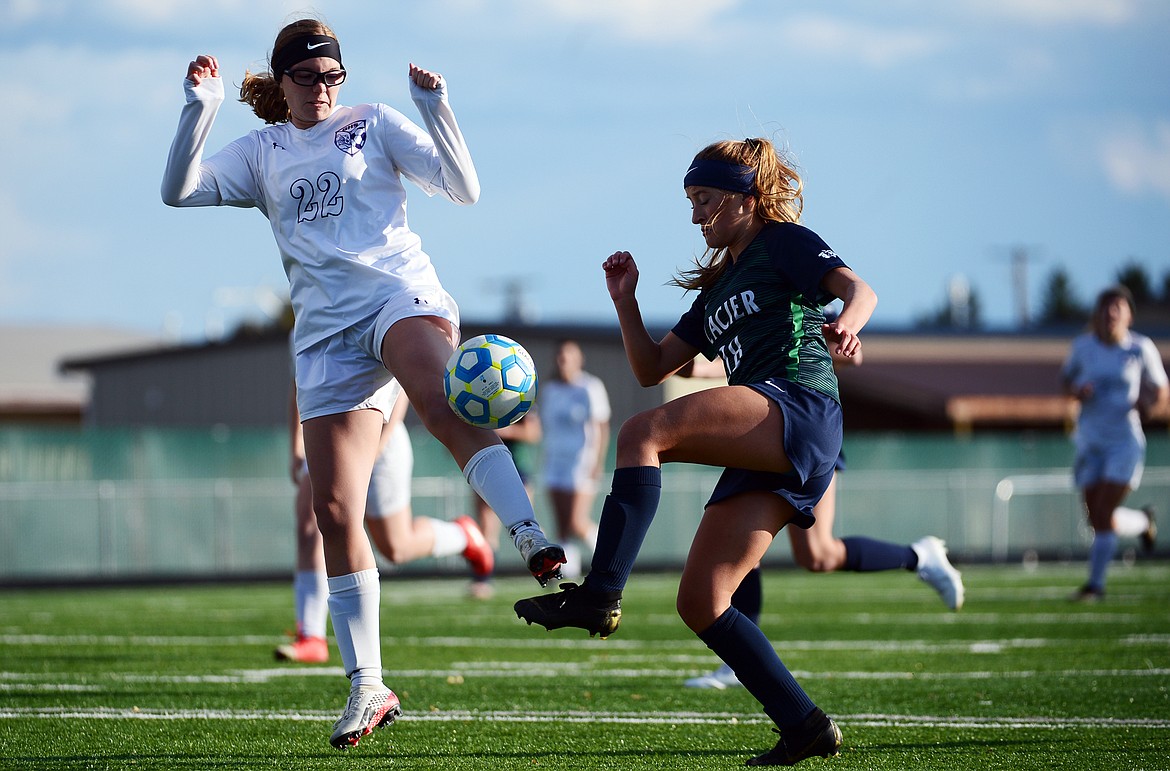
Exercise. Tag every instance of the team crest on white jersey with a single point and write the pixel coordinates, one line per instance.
(827, 254)
(350, 139)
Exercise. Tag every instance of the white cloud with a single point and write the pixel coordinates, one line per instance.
(643, 20)
(850, 41)
(1138, 161)
(1018, 70)
(1046, 12)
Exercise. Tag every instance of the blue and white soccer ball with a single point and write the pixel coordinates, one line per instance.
(490, 381)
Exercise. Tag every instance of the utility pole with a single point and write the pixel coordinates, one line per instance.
(1020, 257)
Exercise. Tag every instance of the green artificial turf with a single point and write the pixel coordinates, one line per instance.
(183, 677)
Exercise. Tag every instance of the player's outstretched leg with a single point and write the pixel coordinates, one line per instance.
(935, 569)
(576, 606)
(366, 709)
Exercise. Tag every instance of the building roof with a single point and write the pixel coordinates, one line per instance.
(31, 384)
(909, 380)
(961, 381)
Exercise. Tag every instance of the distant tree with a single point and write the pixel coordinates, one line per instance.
(1134, 277)
(1059, 303)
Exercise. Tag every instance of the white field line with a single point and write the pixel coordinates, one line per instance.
(602, 647)
(634, 718)
(459, 671)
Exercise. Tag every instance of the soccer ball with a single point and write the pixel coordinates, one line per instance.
(490, 381)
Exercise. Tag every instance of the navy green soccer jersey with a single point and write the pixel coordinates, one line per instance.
(763, 315)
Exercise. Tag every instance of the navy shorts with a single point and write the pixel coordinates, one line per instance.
(812, 442)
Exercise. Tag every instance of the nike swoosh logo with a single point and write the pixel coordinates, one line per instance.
(311, 46)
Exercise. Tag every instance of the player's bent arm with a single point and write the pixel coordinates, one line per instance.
(458, 179)
(185, 181)
(859, 302)
(858, 298)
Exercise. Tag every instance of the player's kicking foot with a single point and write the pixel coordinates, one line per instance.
(795, 745)
(478, 552)
(572, 606)
(935, 569)
(366, 709)
(543, 558)
(304, 650)
(1149, 536)
(1088, 594)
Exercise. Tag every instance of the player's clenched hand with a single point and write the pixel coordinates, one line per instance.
(621, 275)
(204, 66)
(842, 340)
(425, 78)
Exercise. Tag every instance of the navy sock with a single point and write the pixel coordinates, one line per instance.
(744, 648)
(869, 555)
(625, 519)
(749, 597)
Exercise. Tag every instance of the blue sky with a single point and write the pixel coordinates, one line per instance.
(934, 138)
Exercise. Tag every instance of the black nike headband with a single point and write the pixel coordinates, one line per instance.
(304, 47)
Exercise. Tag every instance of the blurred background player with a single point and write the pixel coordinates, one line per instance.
(1116, 375)
(574, 415)
(819, 551)
(398, 535)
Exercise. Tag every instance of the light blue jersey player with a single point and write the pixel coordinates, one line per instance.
(1115, 374)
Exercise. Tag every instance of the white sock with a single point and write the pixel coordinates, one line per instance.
(353, 606)
(449, 538)
(491, 472)
(591, 538)
(311, 600)
(572, 567)
(1129, 523)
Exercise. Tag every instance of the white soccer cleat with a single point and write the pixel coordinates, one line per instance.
(365, 710)
(935, 569)
(721, 679)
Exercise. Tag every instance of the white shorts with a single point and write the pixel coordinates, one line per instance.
(569, 471)
(390, 483)
(1118, 463)
(344, 372)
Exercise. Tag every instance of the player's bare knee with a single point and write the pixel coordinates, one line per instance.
(696, 609)
(636, 436)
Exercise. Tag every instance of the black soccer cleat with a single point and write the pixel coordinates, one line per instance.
(794, 747)
(572, 606)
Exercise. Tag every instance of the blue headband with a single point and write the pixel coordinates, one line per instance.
(721, 175)
(304, 47)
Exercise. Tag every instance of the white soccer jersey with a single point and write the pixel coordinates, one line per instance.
(1117, 374)
(570, 418)
(333, 195)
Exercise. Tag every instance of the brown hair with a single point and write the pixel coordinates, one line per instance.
(779, 198)
(262, 92)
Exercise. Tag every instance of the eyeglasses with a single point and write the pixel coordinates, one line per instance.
(309, 78)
